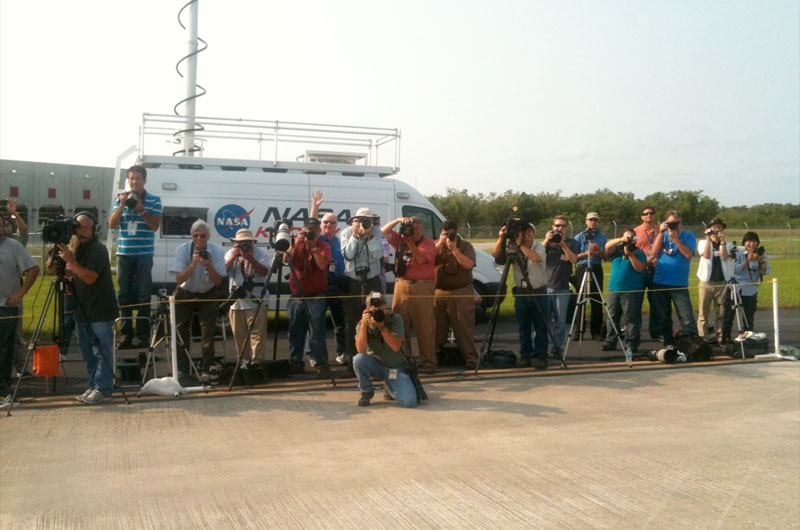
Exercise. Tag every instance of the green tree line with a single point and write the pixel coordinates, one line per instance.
(695, 207)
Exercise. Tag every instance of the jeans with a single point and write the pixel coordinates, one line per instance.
(652, 321)
(557, 303)
(368, 368)
(96, 343)
(134, 275)
(307, 315)
(530, 312)
(625, 309)
(8, 340)
(336, 306)
(663, 300)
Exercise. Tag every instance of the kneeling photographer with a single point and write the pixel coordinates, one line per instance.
(379, 340)
(516, 241)
(199, 268)
(248, 266)
(625, 289)
(96, 307)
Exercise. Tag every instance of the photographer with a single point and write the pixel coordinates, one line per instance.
(14, 263)
(336, 277)
(561, 256)
(95, 308)
(673, 249)
(530, 318)
(248, 266)
(308, 282)
(647, 232)
(138, 215)
(714, 271)
(452, 303)
(591, 255)
(749, 267)
(362, 249)
(379, 340)
(625, 294)
(415, 257)
(199, 268)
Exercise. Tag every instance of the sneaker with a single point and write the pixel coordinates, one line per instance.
(84, 395)
(323, 372)
(95, 397)
(539, 363)
(363, 401)
(345, 359)
(387, 396)
(312, 362)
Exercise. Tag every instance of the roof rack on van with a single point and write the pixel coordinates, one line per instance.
(240, 140)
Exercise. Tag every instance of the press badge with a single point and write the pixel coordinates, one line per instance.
(132, 228)
(392, 373)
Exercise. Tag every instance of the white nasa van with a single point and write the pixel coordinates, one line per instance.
(231, 194)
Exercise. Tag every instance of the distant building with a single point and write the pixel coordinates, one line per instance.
(44, 190)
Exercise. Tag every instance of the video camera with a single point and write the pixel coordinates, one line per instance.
(515, 225)
(281, 235)
(59, 230)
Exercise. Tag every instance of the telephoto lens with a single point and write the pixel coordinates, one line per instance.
(556, 238)
(378, 315)
(366, 224)
(406, 229)
(132, 200)
(673, 225)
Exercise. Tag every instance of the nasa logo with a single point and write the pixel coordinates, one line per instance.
(231, 218)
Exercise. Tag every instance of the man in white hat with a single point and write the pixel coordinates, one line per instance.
(248, 266)
(591, 255)
(362, 249)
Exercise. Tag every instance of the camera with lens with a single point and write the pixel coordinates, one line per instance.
(59, 230)
(310, 235)
(451, 235)
(710, 232)
(365, 222)
(281, 235)
(132, 200)
(629, 243)
(378, 315)
(590, 234)
(204, 254)
(240, 291)
(556, 237)
(406, 229)
(673, 225)
(245, 247)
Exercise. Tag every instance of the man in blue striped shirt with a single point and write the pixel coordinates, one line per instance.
(137, 214)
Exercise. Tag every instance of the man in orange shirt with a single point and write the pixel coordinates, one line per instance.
(646, 234)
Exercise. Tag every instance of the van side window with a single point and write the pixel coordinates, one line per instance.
(177, 221)
(431, 222)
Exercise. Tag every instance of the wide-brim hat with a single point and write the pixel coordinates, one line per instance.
(364, 212)
(717, 221)
(244, 234)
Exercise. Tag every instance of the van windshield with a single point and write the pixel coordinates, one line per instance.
(431, 222)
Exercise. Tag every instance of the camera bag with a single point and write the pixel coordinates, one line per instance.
(500, 359)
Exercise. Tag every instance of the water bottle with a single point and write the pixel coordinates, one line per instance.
(629, 357)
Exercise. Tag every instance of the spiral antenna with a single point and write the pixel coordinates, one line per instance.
(186, 135)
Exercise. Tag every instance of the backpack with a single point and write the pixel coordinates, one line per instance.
(695, 348)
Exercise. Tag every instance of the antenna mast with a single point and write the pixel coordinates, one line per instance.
(186, 136)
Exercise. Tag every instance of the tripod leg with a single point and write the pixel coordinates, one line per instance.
(582, 292)
(736, 300)
(489, 337)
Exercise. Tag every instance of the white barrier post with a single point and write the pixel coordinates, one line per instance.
(174, 336)
(777, 353)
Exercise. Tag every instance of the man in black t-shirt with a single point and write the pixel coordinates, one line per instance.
(95, 308)
(561, 254)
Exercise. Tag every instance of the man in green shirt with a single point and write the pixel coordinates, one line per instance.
(379, 341)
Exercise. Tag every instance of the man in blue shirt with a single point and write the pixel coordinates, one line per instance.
(199, 268)
(138, 215)
(591, 254)
(625, 290)
(674, 250)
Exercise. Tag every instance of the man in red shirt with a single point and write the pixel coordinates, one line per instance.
(415, 258)
(646, 234)
(308, 282)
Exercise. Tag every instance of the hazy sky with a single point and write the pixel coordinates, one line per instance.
(637, 95)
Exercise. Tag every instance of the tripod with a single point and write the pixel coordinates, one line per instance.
(56, 292)
(584, 296)
(736, 307)
(512, 257)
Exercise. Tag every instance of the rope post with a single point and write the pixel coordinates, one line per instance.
(174, 335)
(777, 353)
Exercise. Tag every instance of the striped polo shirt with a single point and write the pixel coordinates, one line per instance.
(135, 237)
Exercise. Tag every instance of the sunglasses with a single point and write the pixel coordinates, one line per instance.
(329, 222)
(648, 213)
(560, 226)
(201, 236)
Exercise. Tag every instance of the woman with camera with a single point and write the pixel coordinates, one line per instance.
(749, 267)
(625, 290)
